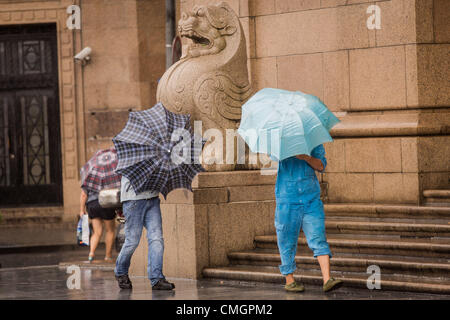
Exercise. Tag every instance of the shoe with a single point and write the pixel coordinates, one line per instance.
(91, 258)
(124, 282)
(332, 284)
(163, 284)
(294, 287)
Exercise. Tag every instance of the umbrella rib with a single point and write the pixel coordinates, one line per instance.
(303, 127)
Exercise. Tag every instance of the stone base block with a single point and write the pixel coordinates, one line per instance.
(224, 213)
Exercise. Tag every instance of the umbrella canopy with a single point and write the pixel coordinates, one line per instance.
(99, 172)
(284, 124)
(157, 151)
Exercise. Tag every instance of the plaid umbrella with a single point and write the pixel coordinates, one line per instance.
(157, 151)
(99, 172)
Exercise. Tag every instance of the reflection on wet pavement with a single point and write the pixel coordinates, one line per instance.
(51, 283)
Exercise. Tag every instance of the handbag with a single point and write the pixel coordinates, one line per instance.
(109, 198)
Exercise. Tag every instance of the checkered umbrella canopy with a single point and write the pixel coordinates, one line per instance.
(157, 151)
(99, 172)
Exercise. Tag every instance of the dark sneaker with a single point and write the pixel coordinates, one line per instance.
(163, 284)
(332, 284)
(294, 287)
(124, 282)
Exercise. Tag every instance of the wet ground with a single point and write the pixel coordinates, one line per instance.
(41, 247)
(97, 283)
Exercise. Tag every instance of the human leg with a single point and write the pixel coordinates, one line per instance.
(110, 226)
(134, 223)
(97, 227)
(315, 233)
(287, 225)
(153, 224)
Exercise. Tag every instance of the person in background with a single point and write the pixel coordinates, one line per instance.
(98, 215)
(298, 206)
(141, 210)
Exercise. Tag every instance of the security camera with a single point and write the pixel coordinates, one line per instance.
(83, 55)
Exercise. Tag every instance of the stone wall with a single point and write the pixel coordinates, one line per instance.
(127, 39)
(223, 214)
(128, 58)
(391, 87)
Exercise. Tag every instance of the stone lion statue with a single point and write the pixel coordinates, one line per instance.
(210, 82)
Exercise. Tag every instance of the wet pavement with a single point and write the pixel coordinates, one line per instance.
(99, 284)
(14, 237)
(41, 247)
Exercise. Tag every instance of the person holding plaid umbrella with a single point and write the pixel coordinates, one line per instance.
(98, 174)
(157, 154)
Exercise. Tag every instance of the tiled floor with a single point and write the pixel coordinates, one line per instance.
(98, 283)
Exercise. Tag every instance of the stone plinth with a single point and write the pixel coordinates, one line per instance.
(224, 213)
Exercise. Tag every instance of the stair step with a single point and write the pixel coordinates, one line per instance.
(370, 227)
(39, 236)
(442, 193)
(386, 211)
(352, 279)
(372, 245)
(344, 262)
(437, 198)
(23, 217)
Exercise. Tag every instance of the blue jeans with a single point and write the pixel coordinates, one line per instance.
(139, 214)
(290, 218)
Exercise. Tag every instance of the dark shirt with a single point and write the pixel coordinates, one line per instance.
(92, 196)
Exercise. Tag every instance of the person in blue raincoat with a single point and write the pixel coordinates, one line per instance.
(298, 206)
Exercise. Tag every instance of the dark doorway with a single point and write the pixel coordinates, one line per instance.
(30, 147)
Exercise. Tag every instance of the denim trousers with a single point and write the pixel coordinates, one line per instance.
(139, 214)
(290, 218)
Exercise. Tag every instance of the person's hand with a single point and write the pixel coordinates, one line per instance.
(302, 157)
(314, 163)
(82, 213)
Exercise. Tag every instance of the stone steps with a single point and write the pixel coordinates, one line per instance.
(410, 244)
(372, 245)
(30, 217)
(348, 262)
(386, 211)
(437, 198)
(24, 247)
(411, 229)
(351, 279)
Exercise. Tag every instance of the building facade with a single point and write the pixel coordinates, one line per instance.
(388, 82)
(56, 112)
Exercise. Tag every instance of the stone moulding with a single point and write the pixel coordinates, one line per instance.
(387, 125)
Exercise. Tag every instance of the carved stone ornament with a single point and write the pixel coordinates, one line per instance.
(210, 82)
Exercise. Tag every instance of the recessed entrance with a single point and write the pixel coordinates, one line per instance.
(30, 142)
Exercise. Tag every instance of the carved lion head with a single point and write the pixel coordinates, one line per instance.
(207, 27)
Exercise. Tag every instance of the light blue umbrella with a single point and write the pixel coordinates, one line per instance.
(283, 124)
